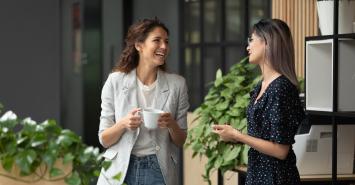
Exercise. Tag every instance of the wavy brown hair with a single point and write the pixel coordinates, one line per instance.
(137, 32)
(280, 51)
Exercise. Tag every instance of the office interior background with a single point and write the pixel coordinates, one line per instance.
(55, 55)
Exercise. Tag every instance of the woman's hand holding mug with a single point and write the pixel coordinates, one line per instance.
(133, 119)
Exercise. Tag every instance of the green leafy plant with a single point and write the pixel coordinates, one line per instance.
(301, 84)
(35, 149)
(226, 102)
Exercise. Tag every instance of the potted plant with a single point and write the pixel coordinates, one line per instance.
(30, 152)
(226, 102)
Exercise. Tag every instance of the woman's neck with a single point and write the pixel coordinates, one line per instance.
(146, 74)
(268, 73)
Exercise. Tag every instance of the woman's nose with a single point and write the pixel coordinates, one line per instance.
(164, 45)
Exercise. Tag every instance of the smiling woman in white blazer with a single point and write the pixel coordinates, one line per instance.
(139, 81)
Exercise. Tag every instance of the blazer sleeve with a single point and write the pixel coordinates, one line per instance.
(107, 118)
(183, 106)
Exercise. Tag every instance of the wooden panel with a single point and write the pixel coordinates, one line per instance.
(194, 168)
(301, 16)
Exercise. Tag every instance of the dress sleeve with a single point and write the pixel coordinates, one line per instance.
(284, 114)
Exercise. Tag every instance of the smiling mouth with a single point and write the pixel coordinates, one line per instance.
(161, 55)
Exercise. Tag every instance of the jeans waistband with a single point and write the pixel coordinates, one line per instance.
(144, 158)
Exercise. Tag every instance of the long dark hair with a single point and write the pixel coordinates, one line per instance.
(280, 51)
(137, 32)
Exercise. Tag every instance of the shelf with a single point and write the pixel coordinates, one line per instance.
(325, 118)
(339, 114)
(339, 36)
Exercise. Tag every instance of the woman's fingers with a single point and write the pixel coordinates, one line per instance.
(134, 111)
(218, 127)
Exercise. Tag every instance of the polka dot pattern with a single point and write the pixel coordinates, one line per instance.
(274, 117)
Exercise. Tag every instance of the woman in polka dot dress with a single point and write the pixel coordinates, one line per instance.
(274, 112)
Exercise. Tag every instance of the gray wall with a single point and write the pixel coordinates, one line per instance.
(72, 80)
(167, 12)
(112, 21)
(29, 58)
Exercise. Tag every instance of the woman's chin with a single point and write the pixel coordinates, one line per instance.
(160, 63)
(252, 61)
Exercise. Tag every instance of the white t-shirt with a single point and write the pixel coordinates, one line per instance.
(146, 98)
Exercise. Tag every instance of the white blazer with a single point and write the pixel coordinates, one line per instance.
(119, 96)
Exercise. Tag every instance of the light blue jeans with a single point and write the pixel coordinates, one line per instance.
(144, 171)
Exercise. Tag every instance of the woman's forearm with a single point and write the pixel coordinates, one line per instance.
(112, 135)
(177, 134)
(279, 151)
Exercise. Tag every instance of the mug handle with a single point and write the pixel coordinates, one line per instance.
(140, 113)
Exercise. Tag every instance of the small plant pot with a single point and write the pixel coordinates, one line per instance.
(40, 177)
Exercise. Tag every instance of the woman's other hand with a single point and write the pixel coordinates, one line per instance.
(226, 133)
(166, 120)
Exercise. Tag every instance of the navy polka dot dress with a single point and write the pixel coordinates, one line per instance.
(274, 117)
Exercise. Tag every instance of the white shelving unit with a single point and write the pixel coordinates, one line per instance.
(319, 75)
(330, 82)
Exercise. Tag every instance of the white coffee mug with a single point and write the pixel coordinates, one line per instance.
(150, 117)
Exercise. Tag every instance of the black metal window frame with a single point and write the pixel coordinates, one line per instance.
(222, 44)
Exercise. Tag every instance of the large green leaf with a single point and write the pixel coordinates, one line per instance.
(233, 153)
(118, 176)
(49, 158)
(54, 172)
(68, 158)
(38, 139)
(7, 162)
(25, 159)
(74, 179)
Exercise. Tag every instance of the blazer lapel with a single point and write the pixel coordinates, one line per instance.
(130, 90)
(130, 96)
(162, 91)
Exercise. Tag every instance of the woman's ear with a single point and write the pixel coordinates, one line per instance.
(137, 46)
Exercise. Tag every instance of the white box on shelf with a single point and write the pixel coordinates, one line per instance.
(319, 75)
(314, 150)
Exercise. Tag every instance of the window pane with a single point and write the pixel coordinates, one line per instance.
(234, 55)
(258, 10)
(235, 16)
(192, 21)
(212, 62)
(193, 76)
(212, 21)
